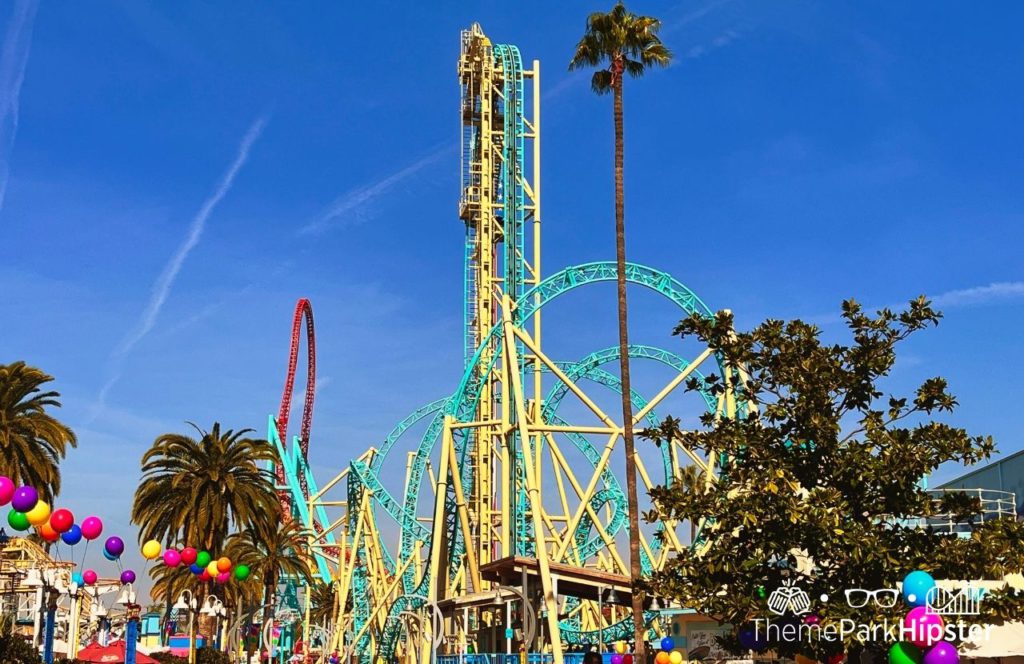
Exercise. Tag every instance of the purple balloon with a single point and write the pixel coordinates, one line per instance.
(616, 658)
(942, 652)
(127, 576)
(114, 546)
(24, 499)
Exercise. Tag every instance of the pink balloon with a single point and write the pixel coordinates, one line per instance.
(92, 527)
(923, 627)
(172, 558)
(6, 490)
(89, 577)
(223, 577)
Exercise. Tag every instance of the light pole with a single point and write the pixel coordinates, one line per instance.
(213, 607)
(131, 627)
(187, 602)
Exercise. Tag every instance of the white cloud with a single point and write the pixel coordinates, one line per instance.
(13, 61)
(997, 291)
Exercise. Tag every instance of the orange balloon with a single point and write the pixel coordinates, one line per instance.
(47, 532)
(801, 659)
(662, 657)
(224, 565)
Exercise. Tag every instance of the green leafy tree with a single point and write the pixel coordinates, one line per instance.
(196, 491)
(619, 43)
(32, 441)
(274, 556)
(821, 484)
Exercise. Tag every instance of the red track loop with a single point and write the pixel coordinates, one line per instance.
(303, 309)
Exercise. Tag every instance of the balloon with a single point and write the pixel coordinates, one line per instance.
(616, 658)
(89, 577)
(92, 527)
(109, 556)
(202, 559)
(812, 619)
(916, 586)
(223, 577)
(211, 568)
(837, 658)
(205, 576)
(127, 576)
(800, 659)
(942, 652)
(78, 578)
(24, 498)
(241, 572)
(676, 657)
(6, 490)
(73, 535)
(923, 626)
(195, 569)
(61, 520)
(904, 653)
(151, 549)
(620, 647)
(48, 534)
(188, 555)
(667, 643)
(224, 564)
(17, 520)
(39, 514)
(114, 546)
(627, 659)
(172, 558)
(661, 657)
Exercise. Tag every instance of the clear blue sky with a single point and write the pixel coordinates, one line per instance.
(796, 154)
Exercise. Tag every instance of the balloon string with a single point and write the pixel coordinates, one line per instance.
(85, 553)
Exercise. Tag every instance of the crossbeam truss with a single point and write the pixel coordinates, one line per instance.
(501, 469)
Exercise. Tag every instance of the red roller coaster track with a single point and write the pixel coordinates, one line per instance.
(303, 309)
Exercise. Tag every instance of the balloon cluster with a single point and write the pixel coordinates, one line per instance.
(924, 627)
(200, 563)
(28, 510)
(622, 655)
(668, 654)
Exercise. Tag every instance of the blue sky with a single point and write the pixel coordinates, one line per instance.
(175, 175)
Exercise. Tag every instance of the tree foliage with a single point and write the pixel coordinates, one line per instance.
(821, 478)
(32, 441)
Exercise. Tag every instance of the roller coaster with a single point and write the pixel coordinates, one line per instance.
(509, 496)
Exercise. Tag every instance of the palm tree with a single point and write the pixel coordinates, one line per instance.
(32, 442)
(620, 43)
(322, 602)
(275, 555)
(193, 492)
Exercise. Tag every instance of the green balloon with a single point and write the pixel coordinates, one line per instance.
(203, 559)
(761, 594)
(17, 520)
(241, 572)
(904, 653)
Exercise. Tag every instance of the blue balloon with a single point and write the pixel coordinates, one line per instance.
(667, 644)
(78, 578)
(916, 586)
(195, 569)
(108, 555)
(72, 535)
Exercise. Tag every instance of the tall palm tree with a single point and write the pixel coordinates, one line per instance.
(275, 555)
(32, 442)
(619, 43)
(194, 492)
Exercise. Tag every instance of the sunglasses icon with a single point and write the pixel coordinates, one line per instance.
(885, 598)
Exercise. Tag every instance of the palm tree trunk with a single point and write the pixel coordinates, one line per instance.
(268, 602)
(627, 405)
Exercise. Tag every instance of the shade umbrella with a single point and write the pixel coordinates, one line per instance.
(114, 653)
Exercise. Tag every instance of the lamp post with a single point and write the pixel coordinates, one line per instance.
(187, 602)
(131, 627)
(213, 607)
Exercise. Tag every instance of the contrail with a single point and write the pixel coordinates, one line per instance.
(351, 201)
(13, 61)
(163, 285)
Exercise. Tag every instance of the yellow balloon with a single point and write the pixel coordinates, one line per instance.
(151, 549)
(675, 657)
(620, 647)
(38, 515)
(212, 568)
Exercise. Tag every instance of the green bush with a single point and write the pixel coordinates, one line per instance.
(16, 650)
